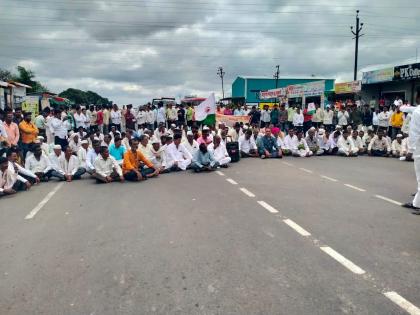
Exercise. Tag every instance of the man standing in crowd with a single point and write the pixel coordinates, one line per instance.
(28, 131)
(265, 117)
(12, 129)
(58, 129)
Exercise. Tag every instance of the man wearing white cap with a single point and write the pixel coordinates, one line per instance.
(70, 166)
(190, 144)
(54, 158)
(206, 137)
(107, 168)
(396, 146)
(158, 155)
(82, 153)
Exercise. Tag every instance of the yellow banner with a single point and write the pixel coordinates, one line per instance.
(31, 104)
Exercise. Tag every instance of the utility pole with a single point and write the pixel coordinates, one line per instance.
(221, 74)
(277, 75)
(357, 35)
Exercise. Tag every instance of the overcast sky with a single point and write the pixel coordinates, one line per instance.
(132, 51)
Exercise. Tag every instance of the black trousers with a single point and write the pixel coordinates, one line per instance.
(63, 142)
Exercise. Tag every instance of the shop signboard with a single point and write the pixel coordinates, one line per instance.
(316, 88)
(31, 104)
(407, 72)
(275, 93)
(376, 76)
(348, 87)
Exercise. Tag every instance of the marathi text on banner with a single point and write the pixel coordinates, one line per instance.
(307, 89)
(348, 87)
(230, 120)
(275, 93)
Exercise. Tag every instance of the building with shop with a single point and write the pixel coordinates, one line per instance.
(249, 87)
(389, 82)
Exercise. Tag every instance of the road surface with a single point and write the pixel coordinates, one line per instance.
(322, 235)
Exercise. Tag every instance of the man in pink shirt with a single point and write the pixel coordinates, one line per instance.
(206, 137)
(12, 129)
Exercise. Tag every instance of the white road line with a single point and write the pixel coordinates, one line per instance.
(267, 206)
(329, 178)
(389, 200)
(297, 227)
(403, 303)
(43, 202)
(343, 260)
(305, 170)
(288, 164)
(354, 187)
(247, 192)
(230, 180)
(220, 173)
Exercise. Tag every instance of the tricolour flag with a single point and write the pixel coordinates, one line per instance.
(206, 111)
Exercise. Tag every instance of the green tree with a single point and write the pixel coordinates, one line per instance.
(5, 75)
(27, 77)
(84, 98)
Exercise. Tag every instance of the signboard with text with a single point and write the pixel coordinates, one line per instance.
(31, 104)
(407, 72)
(348, 87)
(275, 93)
(307, 89)
(382, 75)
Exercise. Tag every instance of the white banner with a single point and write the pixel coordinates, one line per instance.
(275, 93)
(306, 89)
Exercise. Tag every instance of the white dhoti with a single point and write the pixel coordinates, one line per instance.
(416, 201)
(225, 160)
(182, 164)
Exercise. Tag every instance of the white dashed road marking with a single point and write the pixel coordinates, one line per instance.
(343, 260)
(247, 192)
(389, 200)
(329, 178)
(220, 173)
(297, 227)
(306, 170)
(403, 303)
(230, 180)
(267, 207)
(354, 187)
(288, 164)
(42, 203)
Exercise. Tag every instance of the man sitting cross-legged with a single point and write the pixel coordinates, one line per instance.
(133, 168)
(204, 160)
(107, 169)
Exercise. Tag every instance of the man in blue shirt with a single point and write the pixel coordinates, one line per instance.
(267, 146)
(117, 150)
(204, 160)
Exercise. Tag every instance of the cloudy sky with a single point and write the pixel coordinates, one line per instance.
(134, 50)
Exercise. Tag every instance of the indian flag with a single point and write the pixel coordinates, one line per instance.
(205, 112)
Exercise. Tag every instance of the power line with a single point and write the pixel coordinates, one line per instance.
(357, 36)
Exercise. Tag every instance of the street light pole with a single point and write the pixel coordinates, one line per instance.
(277, 75)
(221, 74)
(357, 35)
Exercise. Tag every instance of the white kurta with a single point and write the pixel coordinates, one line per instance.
(346, 146)
(220, 153)
(178, 154)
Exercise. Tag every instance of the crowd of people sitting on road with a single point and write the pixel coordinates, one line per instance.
(108, 144)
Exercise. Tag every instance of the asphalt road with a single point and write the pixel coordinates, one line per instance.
(322, 235)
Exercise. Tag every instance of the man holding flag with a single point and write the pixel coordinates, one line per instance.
(205, 112)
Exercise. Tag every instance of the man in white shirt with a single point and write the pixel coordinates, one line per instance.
(343, 117)
(158, 155)
(289, 142)
(219, 151)
(69, 164)
(82, 153)
(379, 145)
(383, 118)
(91, 156)
(328, 116)
(300, 147)
(160, 131)
(58, 129)
(107, 169)
(298, 119)
(345, 145)
(39, 164)
(141, 118)
(358, 142)
(115, 117)
(265, 117)
(397, 147)
(247, 145)
(54, 158)
(79, 118)
(24, 179)
(235, 132)
(190, 144)
(177, 156)
(7, 181)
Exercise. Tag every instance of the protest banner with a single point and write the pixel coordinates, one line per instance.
(31, 104)
(348, 87)
(230, 120)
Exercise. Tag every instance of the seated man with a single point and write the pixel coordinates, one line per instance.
(54, 159)
(379, 145)
(82, 153)
(204, 160)
(218, 149)
(40, 165)
(397, 147)
(267, 146)
(300, 147)
(8, 184)
(345, 145)
(206, 136)
(313, 142)
(69, 166)
(159, 156)
(288, 142)
(358, 142)
(133, 169)
(117, 150)
(107, 169)
(190, 143)
(177, 156)
(22, 174)
(247, 145)
(235, 132)
(91, 156)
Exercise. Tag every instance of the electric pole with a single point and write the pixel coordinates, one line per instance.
(221, 74)
(277, 75)
(357, 35)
